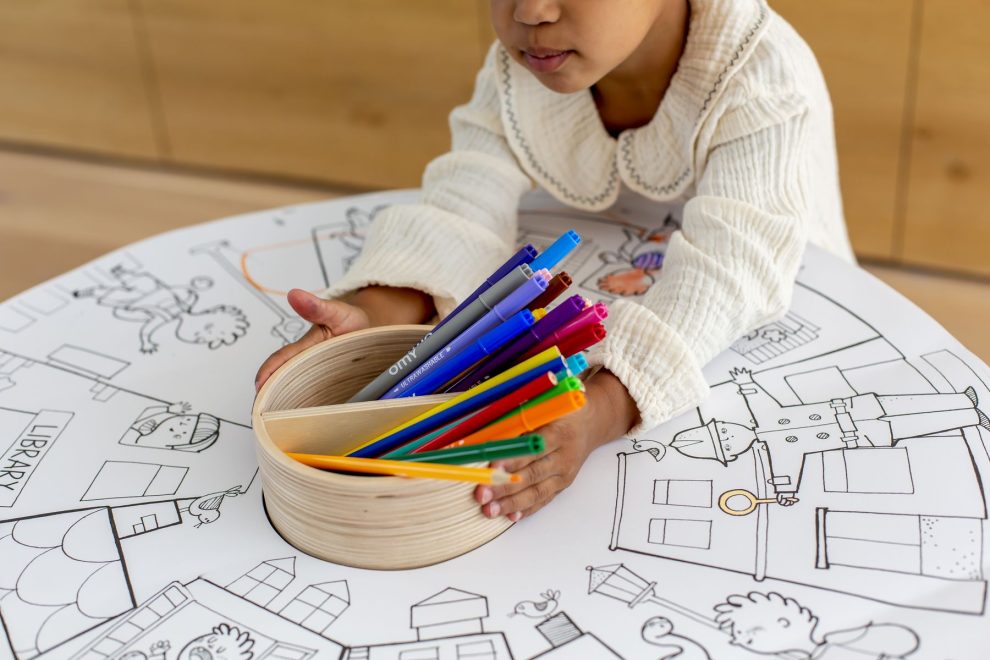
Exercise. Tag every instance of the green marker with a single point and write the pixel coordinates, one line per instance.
(482, 453)
(569, 384)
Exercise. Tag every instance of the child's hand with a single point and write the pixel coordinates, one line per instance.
(372, 306)
(608, 414)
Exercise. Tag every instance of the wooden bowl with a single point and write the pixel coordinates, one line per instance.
(364, 521)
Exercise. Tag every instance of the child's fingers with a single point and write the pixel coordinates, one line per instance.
(517, 464)
(338, 317)
(538, 471)
(536, 495)
(516, 516)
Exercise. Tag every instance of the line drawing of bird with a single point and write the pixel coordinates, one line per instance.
(539, 609)
(655, 448)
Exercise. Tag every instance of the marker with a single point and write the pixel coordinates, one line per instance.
(527, 421)
(437, 339)
(557, 286)
(500, 313)
(490, 413)
(411, 447)
(568, 384)
(489, 451)
(407, 469)
(489, 342)
(589, 316)
(462, 404)
(557, 251)
(560, 316)
(525, 255)
(581, 340)
(576, 364)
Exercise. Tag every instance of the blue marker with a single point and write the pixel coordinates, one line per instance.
(559, 249)
(490, 342)
(402, 436)
(525, 255)
(500, 313)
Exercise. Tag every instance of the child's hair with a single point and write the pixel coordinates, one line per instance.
(756, 608)
(204, 434)
(218, 326)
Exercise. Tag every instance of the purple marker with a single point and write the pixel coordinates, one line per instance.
(500, 313)
(525, 255)
(561, 315)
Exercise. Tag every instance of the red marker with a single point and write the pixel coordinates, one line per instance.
(490, 413)
(582, 339)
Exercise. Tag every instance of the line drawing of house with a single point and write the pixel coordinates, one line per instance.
(879, 522)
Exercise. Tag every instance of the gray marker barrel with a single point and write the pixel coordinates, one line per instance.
(434, 341)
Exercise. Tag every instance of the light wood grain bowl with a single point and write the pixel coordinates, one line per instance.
(363, 521)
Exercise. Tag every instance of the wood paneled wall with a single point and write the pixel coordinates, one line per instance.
(358, 93)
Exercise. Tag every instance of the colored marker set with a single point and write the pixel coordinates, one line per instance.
(506, 365)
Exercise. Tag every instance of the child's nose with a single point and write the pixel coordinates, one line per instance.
(536, 12)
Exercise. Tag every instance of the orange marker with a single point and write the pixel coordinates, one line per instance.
(407, 469)
(528, 420)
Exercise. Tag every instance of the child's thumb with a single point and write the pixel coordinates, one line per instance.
(339, 317)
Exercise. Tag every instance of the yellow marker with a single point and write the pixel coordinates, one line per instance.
(407, 469)
(521, 368)
(539, 313)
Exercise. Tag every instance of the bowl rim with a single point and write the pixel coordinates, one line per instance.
(314, 475)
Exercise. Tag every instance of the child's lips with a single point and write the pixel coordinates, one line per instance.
(545, 60)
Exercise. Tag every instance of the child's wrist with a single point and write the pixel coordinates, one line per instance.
(386, 305)
(616, 410)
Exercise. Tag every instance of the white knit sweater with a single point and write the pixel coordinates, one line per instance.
(744, 133)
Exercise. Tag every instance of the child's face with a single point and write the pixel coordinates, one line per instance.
(569, 45)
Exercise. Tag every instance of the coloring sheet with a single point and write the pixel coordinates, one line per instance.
(826, 501)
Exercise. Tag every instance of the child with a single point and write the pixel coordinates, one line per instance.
(716, 102)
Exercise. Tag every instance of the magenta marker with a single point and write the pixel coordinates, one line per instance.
(588, 316)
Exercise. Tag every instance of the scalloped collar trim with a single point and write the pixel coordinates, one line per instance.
(561, 143)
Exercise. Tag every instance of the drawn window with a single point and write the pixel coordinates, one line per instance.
(684, 533)
(423, 653)
(882, 541)
(868, 470)
(682, 492)
(318, 606)
(483, 650)
(130, 479)
(264, 582)
(939, 546)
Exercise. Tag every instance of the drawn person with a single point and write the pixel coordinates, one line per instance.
(659, 630)
(791, 432)
(171, 427)
(206, 509)
(224, 642)
(143, 298)
(539, 609)
(642, 259)
(770, 624)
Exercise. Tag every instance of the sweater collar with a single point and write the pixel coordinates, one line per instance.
(561, 143)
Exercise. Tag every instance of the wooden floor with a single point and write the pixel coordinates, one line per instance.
(57, 213)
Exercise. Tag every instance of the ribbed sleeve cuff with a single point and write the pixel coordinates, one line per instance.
(426, 248)
(653, 363)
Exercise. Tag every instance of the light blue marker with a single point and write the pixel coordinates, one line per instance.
(559, 249)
